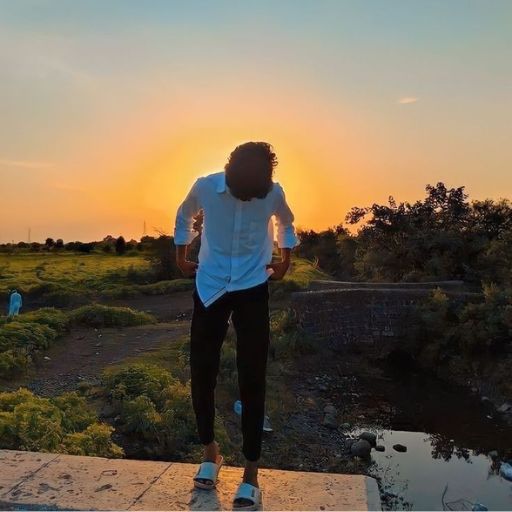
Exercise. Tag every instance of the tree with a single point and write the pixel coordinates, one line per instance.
(59, 244)
(120, 245)
(49, 243)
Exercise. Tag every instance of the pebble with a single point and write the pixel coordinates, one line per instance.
(361, 448)
(345, 426)
(370, 437)
(400, 448)
(380, 448)
(505, 407)
(330, 421)
(330, 409)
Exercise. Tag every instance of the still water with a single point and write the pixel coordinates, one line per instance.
(421, 475)
(450, 436)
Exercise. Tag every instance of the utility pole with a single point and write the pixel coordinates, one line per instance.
(29, 235)
(144, 229)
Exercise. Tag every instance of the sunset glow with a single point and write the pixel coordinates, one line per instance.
(110, 110)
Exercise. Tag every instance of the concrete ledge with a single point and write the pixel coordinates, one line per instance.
(44, 481)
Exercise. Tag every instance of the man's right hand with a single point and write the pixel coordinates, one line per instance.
(188, 268)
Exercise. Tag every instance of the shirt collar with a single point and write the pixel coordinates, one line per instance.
(221, 183)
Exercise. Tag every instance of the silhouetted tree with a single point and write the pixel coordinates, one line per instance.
(120, 245)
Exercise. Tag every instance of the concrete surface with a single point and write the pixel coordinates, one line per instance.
(45, 481)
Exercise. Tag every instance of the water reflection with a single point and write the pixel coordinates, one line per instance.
(435, 474)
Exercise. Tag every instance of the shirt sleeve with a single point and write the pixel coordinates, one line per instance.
(184, 231)
(286, 237)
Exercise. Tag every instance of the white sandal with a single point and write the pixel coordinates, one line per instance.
(208, 471)
(248, 492)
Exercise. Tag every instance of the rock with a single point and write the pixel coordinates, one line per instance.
(349, 442)
(506, 407)
(330, 409)
(485, 399)
(380, 448)
(400, 448)
(46, 358)
(493, 454)
(474, 390)
(370, 437)
(330, 421)
(361, 449)
(345, 426)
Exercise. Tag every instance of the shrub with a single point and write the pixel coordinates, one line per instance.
(54, 318)
(487, 326)
(286, 340)
(154, 407)
(94, 440)
(22, 336)
(62, 424)
(136, 380)
(98, 315)
(76, 413)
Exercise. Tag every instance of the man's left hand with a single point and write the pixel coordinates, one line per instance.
(280, 268)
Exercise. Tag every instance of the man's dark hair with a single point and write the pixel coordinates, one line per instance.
(249, 170)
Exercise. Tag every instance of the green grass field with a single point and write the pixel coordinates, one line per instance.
(24, 271)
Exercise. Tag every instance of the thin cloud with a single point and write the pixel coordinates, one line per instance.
(407, 100)
(64, 186)
(26, 164)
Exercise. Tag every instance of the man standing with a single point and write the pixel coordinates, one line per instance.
(231, 279)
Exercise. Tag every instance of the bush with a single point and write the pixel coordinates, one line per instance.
(63, 424)
(54, 318)
(25, 334)
(136, 380)
(286, 341)
(98, 315)
(154, 407)
(487, 327)
(94, 440)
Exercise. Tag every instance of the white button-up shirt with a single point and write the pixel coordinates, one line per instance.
(237, 237)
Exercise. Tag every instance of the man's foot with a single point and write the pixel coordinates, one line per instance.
(250, 477)
(211, 454)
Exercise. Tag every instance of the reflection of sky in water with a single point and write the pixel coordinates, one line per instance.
(421, 474)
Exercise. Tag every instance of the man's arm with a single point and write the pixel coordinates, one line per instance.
(286, 238)
(184, 231)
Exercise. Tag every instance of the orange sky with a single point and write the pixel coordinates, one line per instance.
(109, 115)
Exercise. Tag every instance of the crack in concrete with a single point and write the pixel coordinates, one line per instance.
(29, 476)
(155, 480)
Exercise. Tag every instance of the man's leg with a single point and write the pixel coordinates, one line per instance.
(208, 329)
(251, 322)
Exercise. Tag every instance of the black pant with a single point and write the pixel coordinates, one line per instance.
(250, 316)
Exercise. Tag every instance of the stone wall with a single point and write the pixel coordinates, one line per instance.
(340, 317)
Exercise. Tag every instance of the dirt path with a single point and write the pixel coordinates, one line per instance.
(166, 308)
(84, 353)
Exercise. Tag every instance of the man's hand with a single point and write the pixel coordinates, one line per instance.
(280, 268)
(188, 268)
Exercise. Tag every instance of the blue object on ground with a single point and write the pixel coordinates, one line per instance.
(15, 303)
(506, 471)
(237, 407)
